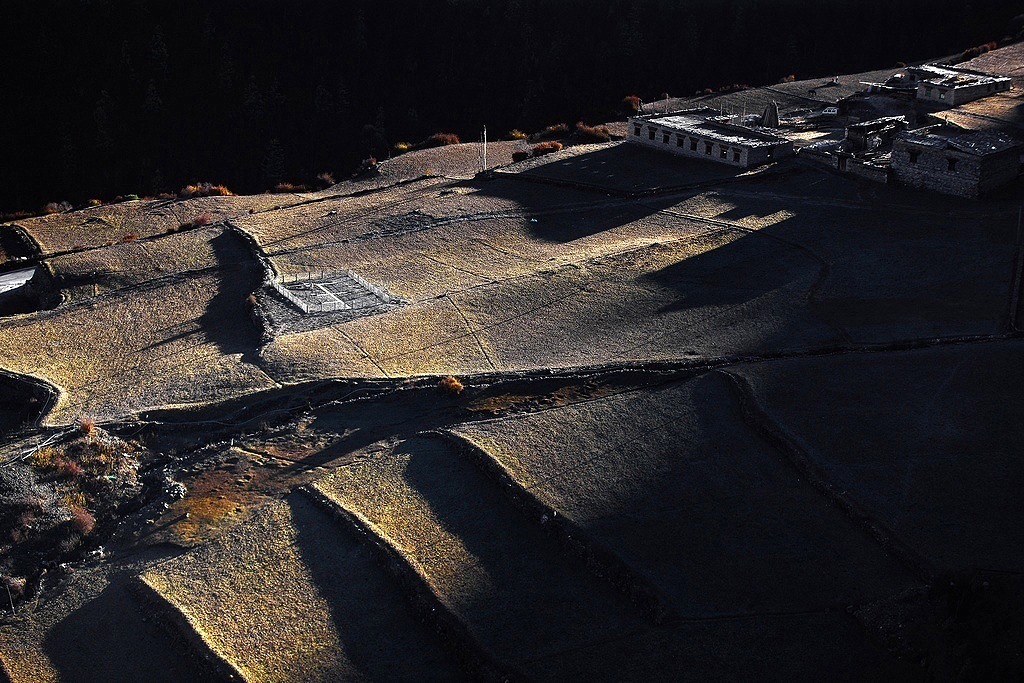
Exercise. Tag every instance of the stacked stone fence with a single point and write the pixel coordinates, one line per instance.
(279, 282)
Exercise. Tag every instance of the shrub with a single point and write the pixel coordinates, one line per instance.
(324, 180)
(205, 190)
(94, 202)
(521, 155)
(87, 426)
(282, 188)
(366, 167)
(57, 207)
(515, 134)
(556, 131)
(203, 219)
(549, 147)
(250, 302)
(82, 521)
(126, 198)
(439, 140)
(592, 133)
(977, 51)
(15, 585)
(55, 461)
(401, 147)
(631, 104)
(451, 385)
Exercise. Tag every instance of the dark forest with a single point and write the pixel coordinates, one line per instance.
(105, 98)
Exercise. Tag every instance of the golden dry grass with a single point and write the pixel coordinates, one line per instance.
(123, 353)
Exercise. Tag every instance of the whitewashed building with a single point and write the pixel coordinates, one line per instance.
(950, 85)
(704, 134)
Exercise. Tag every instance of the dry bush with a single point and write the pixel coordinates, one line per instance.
(971, 53)
(366, 167)
(549, 147)
(203, 219)
(57, 207)
(451, 385)
(82, 520)
(630, 104)
(55, 461)
(14, 584)
(324, 180)
(87, 426)
(205, 190)
(515, 134)
(250, 302)
(130, 237)
(592, 133)
(439, 140)
(521, 155)
(283, 188)
(559, 130)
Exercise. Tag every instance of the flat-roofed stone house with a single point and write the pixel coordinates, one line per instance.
(950, 85)
(704, 134)
(967, 165)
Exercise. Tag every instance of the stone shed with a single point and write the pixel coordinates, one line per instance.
(705, 134)
(966, 164)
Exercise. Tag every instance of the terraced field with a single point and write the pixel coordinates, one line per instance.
(300, 583)
(699, 425)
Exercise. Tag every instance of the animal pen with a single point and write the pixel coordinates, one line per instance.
(329, 290)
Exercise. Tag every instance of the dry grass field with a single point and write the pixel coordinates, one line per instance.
(300, 584)
(172, 328)
(618, 416)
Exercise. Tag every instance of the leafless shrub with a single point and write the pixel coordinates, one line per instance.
(592, 133)
(451, 385)
(204, 190)
(549, 147)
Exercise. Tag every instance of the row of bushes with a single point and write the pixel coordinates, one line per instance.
(201, 189)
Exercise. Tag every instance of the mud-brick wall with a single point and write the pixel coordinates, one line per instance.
(972, 177)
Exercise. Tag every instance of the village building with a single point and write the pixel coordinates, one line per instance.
(943, 85)
(964, 164)
(950, 85)
(869, 136)
(705, 134)
(864, 150)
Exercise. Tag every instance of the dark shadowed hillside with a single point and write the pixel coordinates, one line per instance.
(137, 96)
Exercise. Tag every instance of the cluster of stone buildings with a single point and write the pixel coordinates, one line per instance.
(916, 149)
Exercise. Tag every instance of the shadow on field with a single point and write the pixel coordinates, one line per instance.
(80, 644)
(226, 321)
(820, 258)
(627, 168)
(371, 618)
